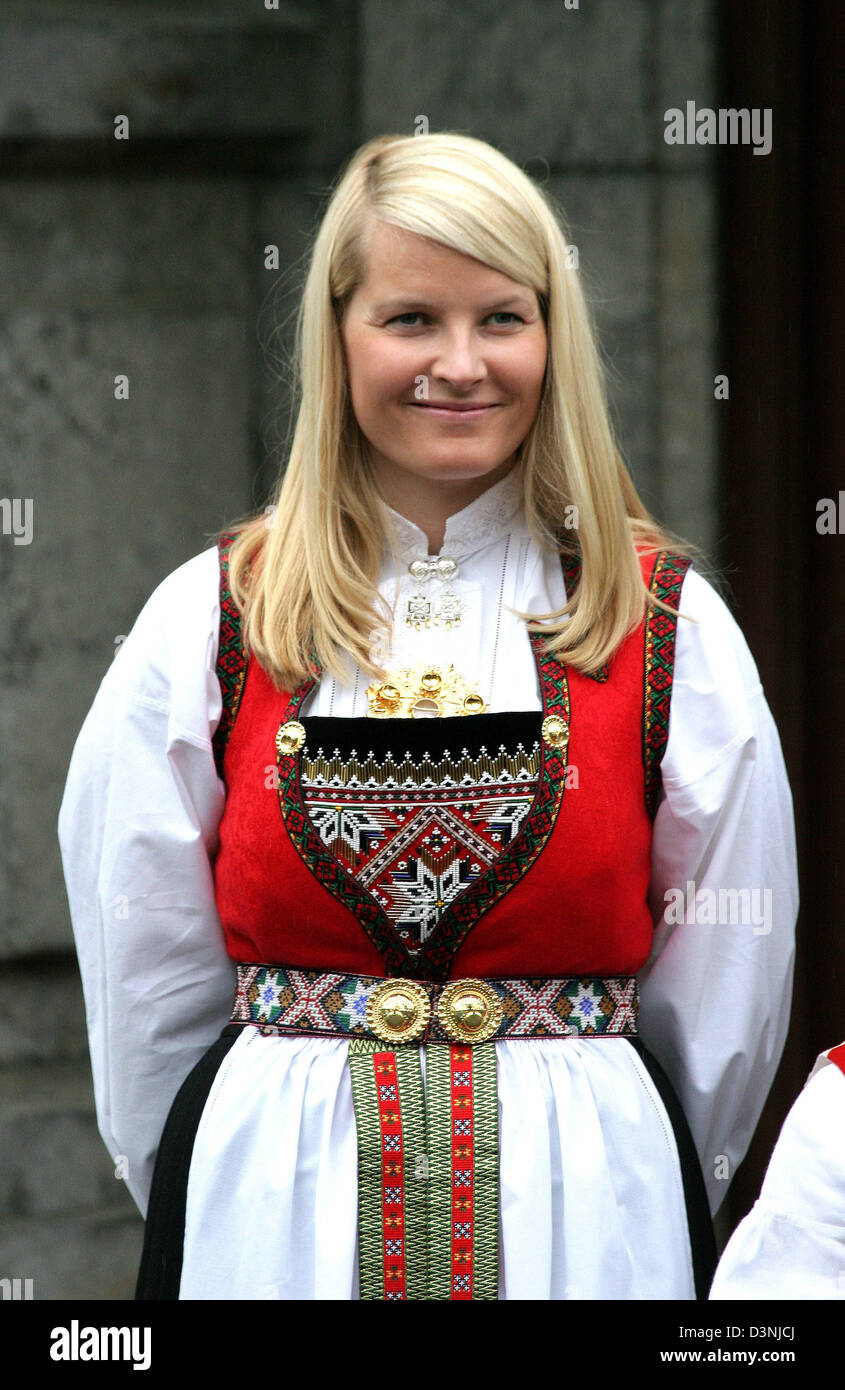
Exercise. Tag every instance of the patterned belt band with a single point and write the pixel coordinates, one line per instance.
(428, 1153)
(280, 999)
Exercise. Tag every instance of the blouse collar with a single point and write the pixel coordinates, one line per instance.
(484, 521)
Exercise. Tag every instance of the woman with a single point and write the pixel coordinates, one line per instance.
(399, 750)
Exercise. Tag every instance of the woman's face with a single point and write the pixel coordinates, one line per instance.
(429, 328)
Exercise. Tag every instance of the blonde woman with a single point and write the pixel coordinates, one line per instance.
(392, 765)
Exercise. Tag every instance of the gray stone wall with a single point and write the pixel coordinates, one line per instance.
(577, 97)
(146, 258)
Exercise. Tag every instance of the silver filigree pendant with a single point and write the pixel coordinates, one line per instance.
(444, 612)
(449, 610)
(419, 612)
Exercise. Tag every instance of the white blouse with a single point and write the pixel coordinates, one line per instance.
(792, 1242)
(138, 832)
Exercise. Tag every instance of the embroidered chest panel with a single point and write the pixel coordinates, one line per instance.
(452, 813)
(420, 829)
(418, 810)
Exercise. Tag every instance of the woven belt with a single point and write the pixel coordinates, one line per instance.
(428, 1155)
(396, 1010)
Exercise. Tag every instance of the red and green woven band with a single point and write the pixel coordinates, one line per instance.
(428, 1170)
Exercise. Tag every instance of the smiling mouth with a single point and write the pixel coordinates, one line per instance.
(457, 412)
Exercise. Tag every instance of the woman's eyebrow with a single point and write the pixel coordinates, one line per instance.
(391, 305)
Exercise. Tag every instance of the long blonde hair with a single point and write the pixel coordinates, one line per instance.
(304, 571)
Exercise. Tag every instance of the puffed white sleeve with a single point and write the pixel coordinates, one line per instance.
(716, 991)
(137, 831)
(792, 1242)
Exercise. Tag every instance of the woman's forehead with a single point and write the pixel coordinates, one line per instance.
(398, 262)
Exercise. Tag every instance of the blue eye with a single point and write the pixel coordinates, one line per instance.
(416, 314)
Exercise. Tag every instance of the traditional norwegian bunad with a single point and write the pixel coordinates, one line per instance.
(792, 1242)
(443, 938)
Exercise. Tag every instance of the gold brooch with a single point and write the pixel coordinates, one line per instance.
(554, 730)
(423, 692)
(398, 1010)
(470, 1011)
(290, 737)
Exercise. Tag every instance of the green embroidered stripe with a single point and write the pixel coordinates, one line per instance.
(231, 658)
(438, 1101)
(426, 1224)
(485, 1126)
(374, 1232)
(370, 1181)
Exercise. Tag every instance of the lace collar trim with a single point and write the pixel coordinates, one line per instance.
(487, 519)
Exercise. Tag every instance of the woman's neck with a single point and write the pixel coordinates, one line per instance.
(429, 504)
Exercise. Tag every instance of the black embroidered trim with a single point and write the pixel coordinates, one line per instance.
(378, 738)
(659, 664)
(572, 577)
(231, 658)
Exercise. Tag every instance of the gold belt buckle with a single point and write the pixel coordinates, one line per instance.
(470, 1011)
(398, 1010)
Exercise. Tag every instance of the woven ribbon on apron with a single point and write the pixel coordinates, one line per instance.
(428, 1146)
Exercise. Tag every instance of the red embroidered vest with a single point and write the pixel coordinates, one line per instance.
(837, 1056)
(498, 845)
